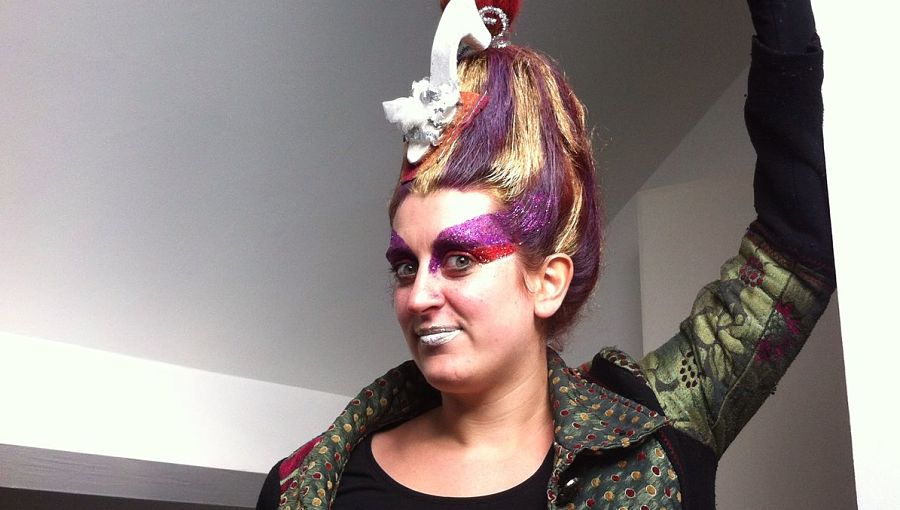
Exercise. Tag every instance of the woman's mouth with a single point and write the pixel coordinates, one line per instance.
(437, 336)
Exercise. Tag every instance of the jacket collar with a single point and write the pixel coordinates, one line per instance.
(590, 417)
(587, 417)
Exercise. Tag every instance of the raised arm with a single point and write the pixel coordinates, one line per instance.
(746, 328)
(784, 120)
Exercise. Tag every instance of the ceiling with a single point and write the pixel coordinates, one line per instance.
(205, 183)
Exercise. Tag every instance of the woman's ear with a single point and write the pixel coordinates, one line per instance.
(551, 283)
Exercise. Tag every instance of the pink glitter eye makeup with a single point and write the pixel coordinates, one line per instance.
(483, 239)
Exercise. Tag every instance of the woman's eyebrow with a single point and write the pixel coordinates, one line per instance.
(483, 236)
(484, 230)
(397, 247)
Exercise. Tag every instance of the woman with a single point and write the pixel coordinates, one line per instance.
(495, 247)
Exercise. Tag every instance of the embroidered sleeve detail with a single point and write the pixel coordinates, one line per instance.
(742, 334)
(815, 274)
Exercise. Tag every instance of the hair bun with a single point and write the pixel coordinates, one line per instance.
(509, 7)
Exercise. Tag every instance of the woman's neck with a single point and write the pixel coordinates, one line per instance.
(510, 413)
(477, 443)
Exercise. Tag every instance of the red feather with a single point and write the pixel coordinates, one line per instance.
(510, 7)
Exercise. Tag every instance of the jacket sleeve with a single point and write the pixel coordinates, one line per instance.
(746, 328)
(784, 119)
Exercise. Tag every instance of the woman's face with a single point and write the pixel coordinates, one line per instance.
(460, 292)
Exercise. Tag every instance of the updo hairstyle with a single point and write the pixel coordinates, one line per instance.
(530, 149)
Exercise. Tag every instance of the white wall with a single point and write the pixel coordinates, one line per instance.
(613, 315)
(177, 181)
(862, 108)
(82, 420)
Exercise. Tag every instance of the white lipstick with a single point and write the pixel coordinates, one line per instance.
(439, 337)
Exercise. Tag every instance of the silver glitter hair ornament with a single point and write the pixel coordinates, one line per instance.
(491, 15)
(432, 103)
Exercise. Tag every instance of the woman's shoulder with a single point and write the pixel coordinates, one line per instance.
(619, 372)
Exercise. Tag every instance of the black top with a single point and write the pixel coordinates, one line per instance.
(364, 485)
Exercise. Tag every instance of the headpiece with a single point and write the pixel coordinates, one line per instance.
(437, 107)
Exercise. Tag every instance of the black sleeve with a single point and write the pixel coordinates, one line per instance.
(786, 26)
(271, 491)
(784, 119)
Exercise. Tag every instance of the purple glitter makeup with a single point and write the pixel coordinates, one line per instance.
(397, 248)
(529, 215)
(484, 237)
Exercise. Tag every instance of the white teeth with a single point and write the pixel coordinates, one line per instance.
(438, 338)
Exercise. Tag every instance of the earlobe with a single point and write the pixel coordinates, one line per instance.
(552, 282)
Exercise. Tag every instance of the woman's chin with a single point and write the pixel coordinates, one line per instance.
(448, 372)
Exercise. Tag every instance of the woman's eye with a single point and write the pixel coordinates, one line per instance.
(458, 262)
(404, 270)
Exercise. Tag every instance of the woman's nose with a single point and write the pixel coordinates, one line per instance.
(426, 292)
